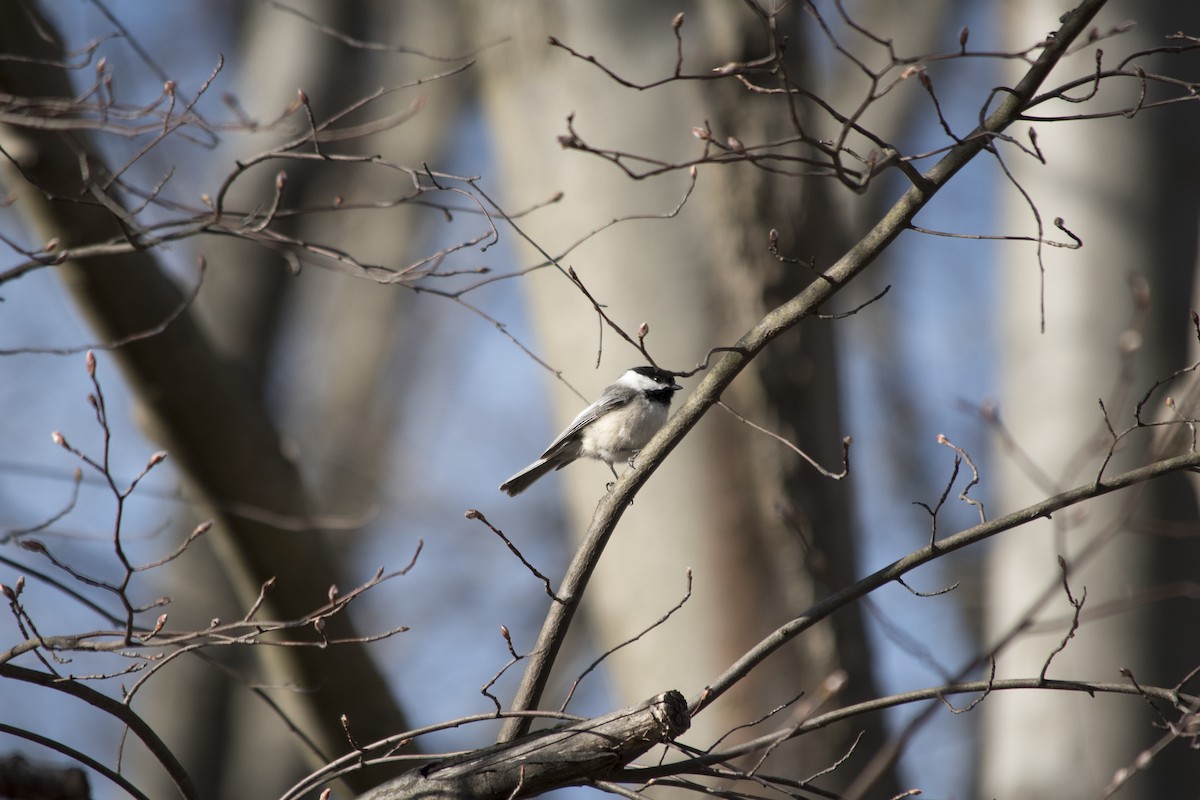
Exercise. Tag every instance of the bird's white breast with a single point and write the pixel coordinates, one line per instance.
(617, 436)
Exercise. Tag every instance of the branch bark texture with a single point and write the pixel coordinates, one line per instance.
(567, 756)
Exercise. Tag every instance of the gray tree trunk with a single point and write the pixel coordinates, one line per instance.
(1127, 189)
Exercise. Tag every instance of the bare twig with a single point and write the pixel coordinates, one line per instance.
(636, 637)
(472, 513)
(846, 442)
(1077, 608)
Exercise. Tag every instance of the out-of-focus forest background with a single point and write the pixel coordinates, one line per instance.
(385, 198)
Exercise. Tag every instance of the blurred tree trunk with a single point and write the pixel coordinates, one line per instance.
(1127, 188)
(215, 426)
(762, 532)
(343, 328)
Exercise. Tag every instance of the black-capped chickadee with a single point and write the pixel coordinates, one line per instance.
(614, 428)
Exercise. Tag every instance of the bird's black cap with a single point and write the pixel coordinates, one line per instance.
(667, 379)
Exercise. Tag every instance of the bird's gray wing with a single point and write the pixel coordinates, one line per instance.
(586, 417)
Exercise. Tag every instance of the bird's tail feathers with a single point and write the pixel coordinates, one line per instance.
(525, 478)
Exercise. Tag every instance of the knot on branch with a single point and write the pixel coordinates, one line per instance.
(564, 756)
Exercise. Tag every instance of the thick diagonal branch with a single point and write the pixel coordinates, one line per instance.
(781, 319)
